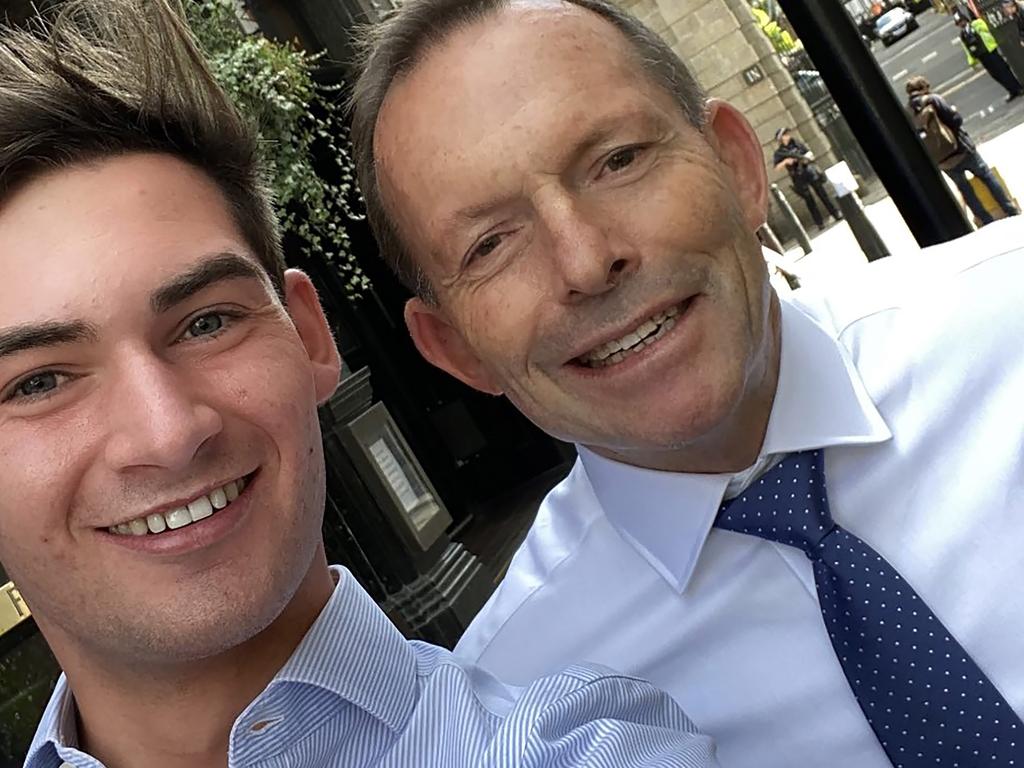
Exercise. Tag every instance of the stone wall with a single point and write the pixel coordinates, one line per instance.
(719, 40)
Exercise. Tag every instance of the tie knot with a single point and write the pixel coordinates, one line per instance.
(787, 504)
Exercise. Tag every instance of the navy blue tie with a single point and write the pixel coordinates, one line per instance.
(926, 699)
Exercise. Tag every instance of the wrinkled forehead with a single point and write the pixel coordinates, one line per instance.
(508, 89)
(84, 240)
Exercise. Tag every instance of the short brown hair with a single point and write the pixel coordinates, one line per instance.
(102, 78)
(918, 84)
(390, 50)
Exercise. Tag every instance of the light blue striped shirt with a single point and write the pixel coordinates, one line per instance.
(357, 694)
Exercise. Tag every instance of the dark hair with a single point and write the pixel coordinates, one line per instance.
(392, 48)
(102, 78)
(918, 84)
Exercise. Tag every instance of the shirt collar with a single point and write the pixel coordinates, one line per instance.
(57, 729)
(349, 650)
(820, 402)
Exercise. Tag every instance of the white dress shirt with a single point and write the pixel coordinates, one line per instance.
(912, 379)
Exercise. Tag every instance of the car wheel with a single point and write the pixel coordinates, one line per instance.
(913, 25)
(887, 42)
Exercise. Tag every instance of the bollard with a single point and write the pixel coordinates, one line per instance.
(868, 239)
(769, 239)
(845, 185)
(787, 211)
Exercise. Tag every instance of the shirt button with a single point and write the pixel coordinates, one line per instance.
(261, 725)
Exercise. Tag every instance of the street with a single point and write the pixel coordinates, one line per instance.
(935, 52)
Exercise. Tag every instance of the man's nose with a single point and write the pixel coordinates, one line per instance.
(589, 256)
(158, 418)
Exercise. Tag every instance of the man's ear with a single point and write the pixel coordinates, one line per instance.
(308, 316)
(442, 345)
(738, 148)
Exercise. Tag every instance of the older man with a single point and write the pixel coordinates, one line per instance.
(800, 517)
(163, 477)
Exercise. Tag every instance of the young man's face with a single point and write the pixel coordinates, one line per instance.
(564, 208)
(147, 369)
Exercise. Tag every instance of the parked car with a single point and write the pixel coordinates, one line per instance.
(894, 24)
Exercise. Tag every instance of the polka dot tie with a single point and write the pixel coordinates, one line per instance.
(926, 699)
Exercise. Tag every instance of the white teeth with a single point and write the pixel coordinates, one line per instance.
(197, 510)
(630, 340)
(200, 509)
(179, 518)
(219, 499)
(649, 332)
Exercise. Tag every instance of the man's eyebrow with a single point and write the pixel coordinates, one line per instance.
(598, 133)
(220, 267)
(24, 338)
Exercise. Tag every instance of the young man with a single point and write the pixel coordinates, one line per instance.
(937, 119)
(580, 223)
(798, 161)
(162, 490)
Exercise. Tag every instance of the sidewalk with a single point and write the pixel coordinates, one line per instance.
(836, 251)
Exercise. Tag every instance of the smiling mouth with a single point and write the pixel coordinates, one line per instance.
(645, 335)
(196, 510)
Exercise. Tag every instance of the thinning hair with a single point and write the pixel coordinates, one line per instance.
(94, 79)
(391, 49)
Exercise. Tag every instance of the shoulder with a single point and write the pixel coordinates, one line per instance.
(582, 716)
(586, 715)
(951, 301)
(983, 266)
(562, 523)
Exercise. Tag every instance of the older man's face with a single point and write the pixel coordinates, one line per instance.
(162, 483)
(594, 256)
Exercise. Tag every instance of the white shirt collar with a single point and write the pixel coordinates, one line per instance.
(820, 402)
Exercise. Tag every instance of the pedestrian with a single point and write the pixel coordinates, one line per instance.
(941, 128)
(1013, 10)
(817, 497)
(162, 492)
(807, 178)
(981, 47)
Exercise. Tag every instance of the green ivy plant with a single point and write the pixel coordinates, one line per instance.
(272, 83)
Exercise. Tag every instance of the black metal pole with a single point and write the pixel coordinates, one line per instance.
(878, 119)
(790, 215)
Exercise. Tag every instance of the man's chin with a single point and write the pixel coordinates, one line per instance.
(656, 436)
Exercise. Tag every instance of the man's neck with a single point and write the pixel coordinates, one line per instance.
(182, 717)
(736, 443)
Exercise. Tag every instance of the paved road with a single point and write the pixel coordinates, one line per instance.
(935, 52)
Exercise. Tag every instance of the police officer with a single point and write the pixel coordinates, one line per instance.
(807, 177)
(981, 48)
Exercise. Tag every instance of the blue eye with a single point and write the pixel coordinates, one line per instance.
(36, 385)
(206, 325)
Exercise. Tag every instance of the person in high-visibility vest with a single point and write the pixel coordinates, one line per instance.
(981, 48)
(780, 38)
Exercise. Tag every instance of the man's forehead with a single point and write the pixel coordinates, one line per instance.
(74, 240)
(497, 61)
(523, 69)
